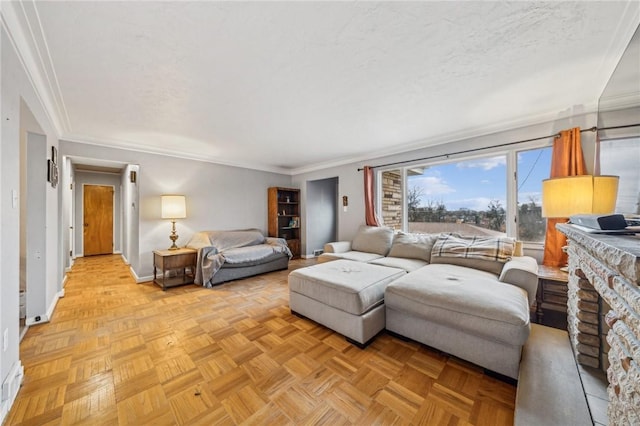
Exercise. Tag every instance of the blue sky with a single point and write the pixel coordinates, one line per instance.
(474, 183)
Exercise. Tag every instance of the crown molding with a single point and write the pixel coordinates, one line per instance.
(131, 146)
(21, 22)
(623, 101)
(456, 136)
(442, 139)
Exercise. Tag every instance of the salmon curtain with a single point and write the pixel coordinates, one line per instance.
(566, 160)
(370, 216)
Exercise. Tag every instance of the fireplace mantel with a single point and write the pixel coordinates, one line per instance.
(603, 313)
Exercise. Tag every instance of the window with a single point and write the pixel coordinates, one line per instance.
(470, 196)
(533, 166)
(621, 157)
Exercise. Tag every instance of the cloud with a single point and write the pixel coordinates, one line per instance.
(431, 185)
(478, 203)
(484, 163)
(485, 181)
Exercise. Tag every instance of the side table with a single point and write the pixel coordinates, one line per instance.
(551, 298)
(183, 261)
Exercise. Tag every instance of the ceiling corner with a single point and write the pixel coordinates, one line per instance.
(22, 24)
(622, 34)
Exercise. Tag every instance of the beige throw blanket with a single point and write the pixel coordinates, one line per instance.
(498, 249)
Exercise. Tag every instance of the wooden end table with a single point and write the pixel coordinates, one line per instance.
(551, 297)
(182, 260)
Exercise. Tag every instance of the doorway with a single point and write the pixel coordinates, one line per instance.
(85, 171)
(33, 223)
(97, 218)
(322, 214)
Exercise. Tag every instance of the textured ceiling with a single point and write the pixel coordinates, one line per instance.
(291, 86)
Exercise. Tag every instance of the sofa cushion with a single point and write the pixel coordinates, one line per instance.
(358, 256)
(248, 254)
(463, 298)
(373, 239)
(400, 262)
(413, 246)
(478, 252)
(267, 259)
(352, 287)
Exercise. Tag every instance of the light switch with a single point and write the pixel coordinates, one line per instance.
(14, 198)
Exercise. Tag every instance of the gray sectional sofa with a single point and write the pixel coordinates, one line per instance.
(467, 296)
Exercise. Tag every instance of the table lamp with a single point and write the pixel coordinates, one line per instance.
(173, 207)
(572, 195)
(564, 197)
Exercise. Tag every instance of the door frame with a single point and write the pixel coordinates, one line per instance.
(113, 212)
(35, 217)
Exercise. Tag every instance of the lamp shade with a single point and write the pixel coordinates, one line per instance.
(174, 207)
(605, 194)
(586, 194)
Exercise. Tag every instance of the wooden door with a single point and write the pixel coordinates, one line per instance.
(98, 219)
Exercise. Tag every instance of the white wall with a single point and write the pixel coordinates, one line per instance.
(130, 215)
(218, 197)
(28, 123)
(36, 218)
(66, 214)
(90, 178)
(15, 86)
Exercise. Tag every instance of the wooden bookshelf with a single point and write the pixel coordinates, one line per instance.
(284, 216)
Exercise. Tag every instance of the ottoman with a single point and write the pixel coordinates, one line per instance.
(343, 295)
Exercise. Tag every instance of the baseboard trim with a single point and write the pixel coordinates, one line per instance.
(140, 279)
(40, 319)
(13, 381)
(124, 259)
(52, 307)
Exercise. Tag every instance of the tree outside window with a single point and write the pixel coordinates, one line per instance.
(468, 196)
(534, 166)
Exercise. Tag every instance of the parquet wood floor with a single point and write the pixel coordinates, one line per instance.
(121, 353)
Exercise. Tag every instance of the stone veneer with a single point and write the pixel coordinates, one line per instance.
(392, 199)
(603, 314)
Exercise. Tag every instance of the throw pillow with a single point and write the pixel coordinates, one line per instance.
(373, 239)
(413, 246)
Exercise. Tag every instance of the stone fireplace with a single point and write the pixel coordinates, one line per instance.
(603, 314)
(585, 312)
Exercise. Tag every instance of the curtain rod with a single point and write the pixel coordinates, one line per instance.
(466, 151)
